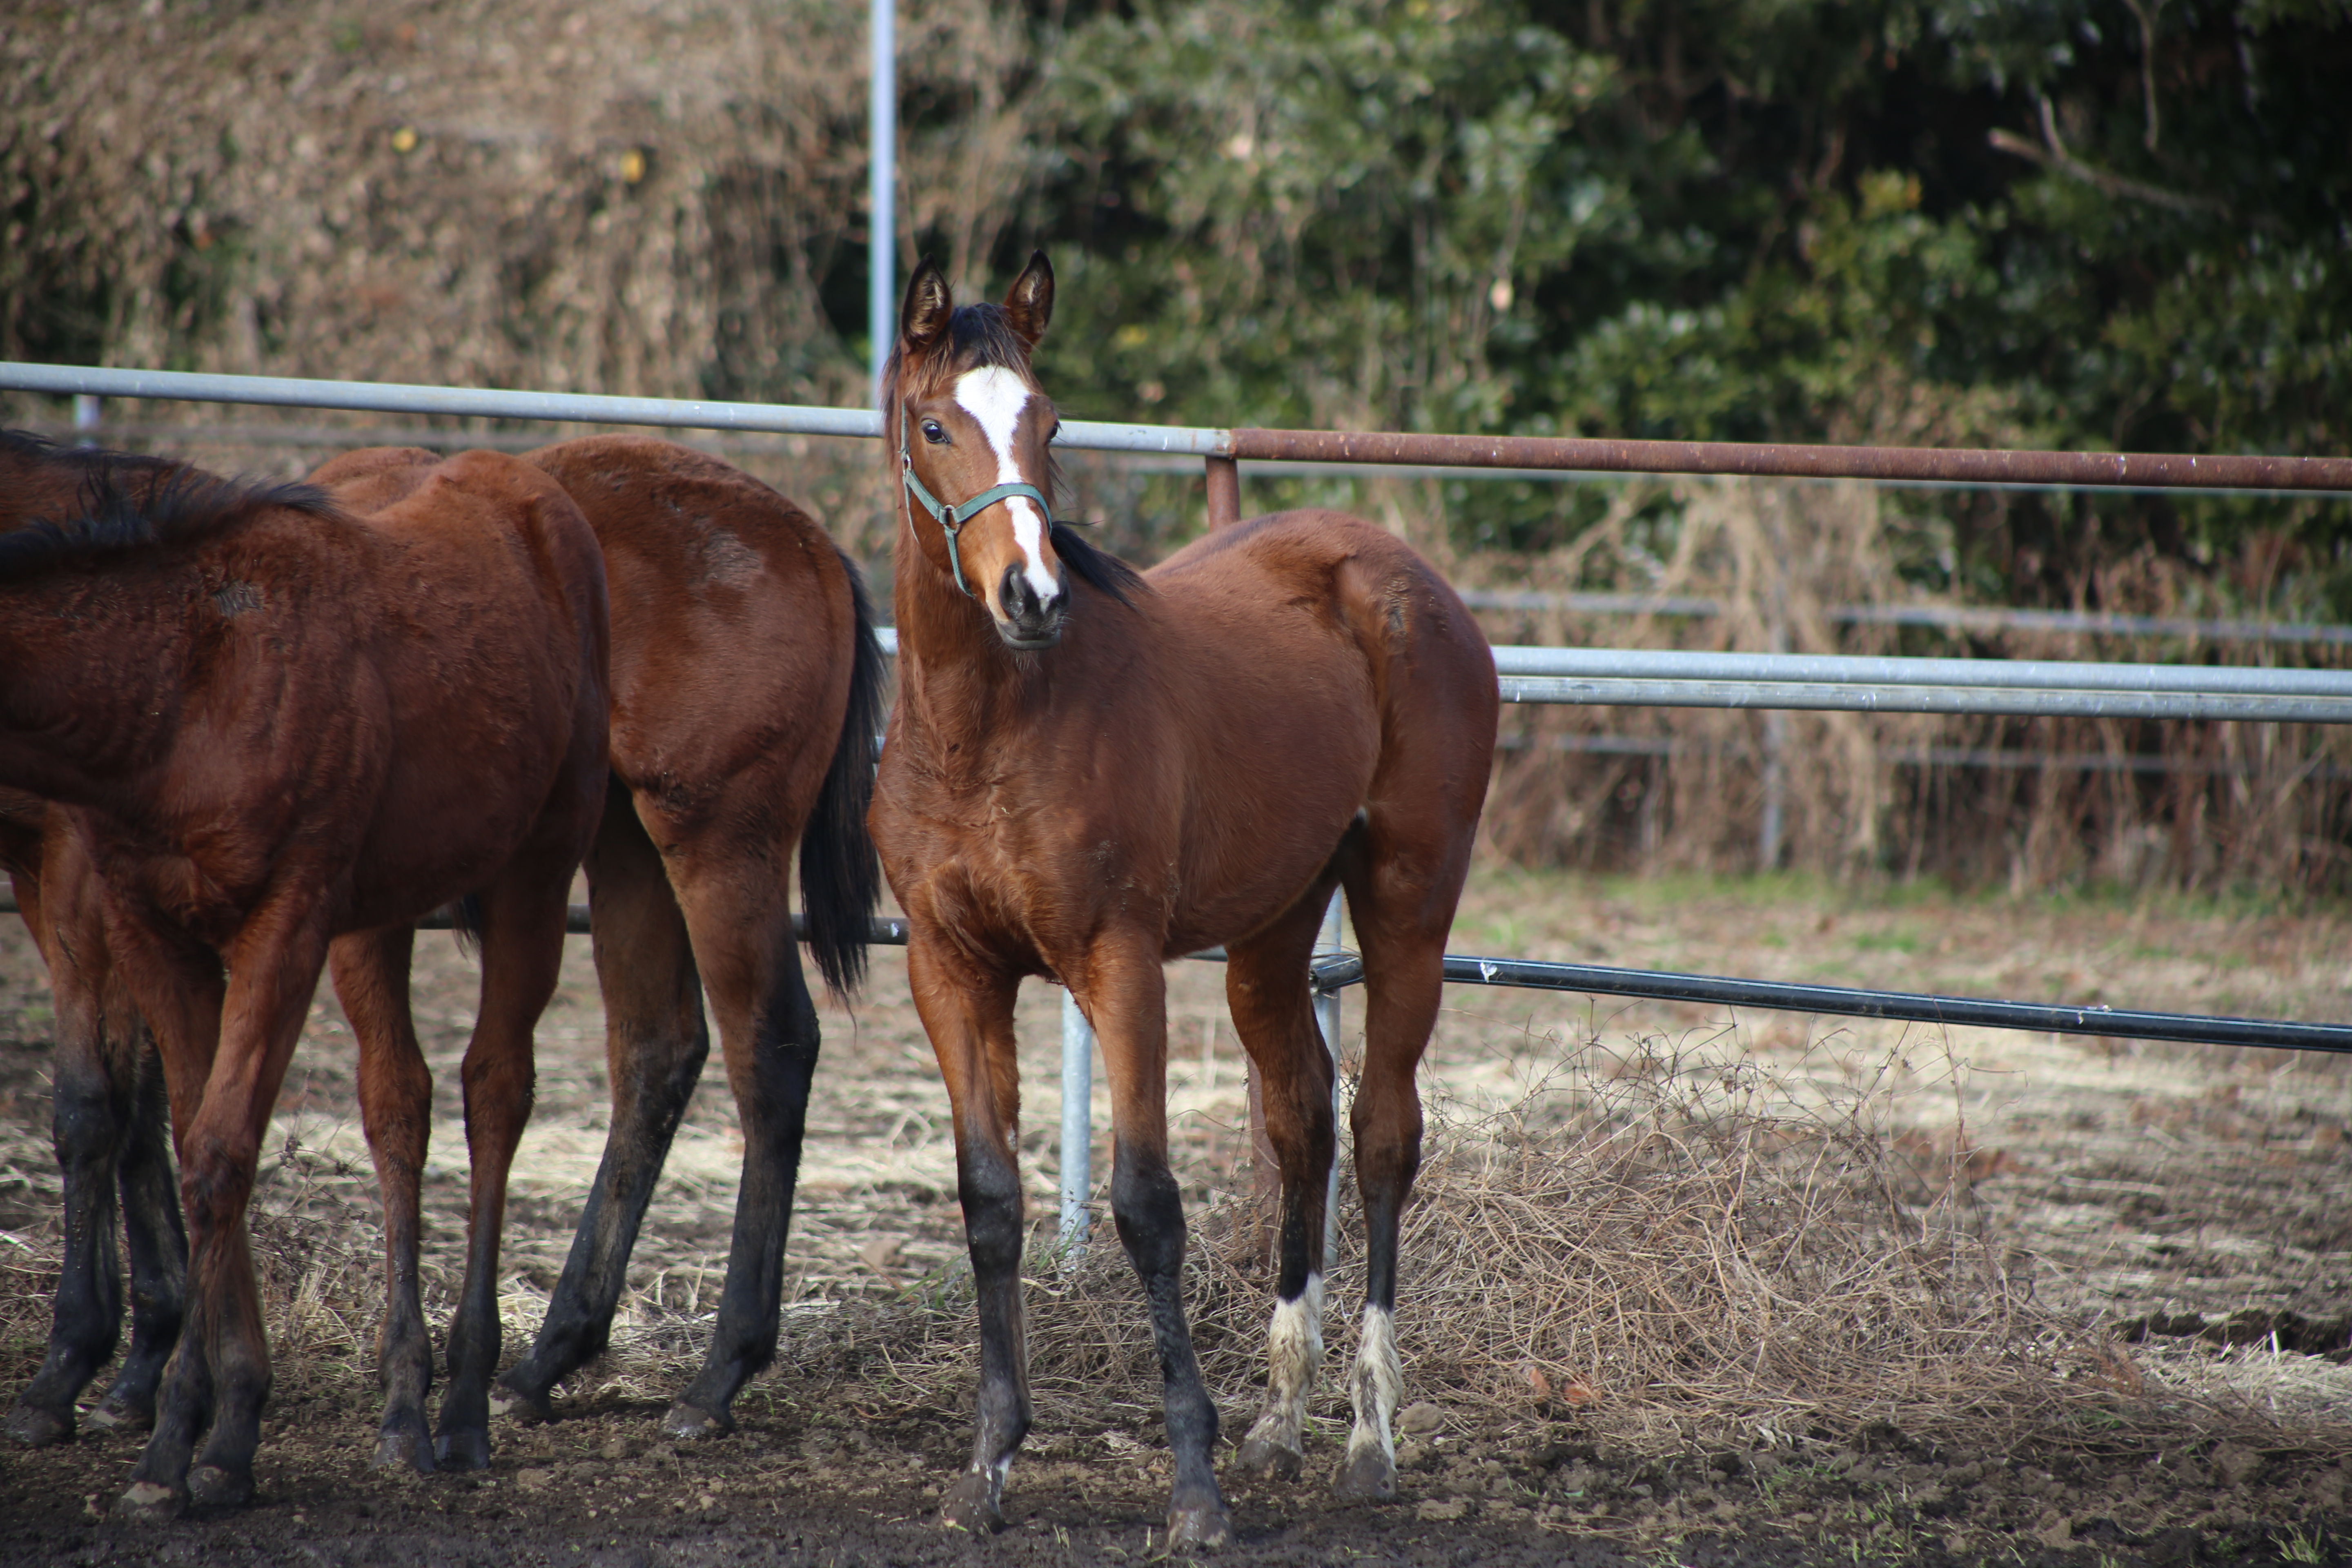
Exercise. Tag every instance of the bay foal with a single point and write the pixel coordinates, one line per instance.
(277, 727)
(1090, 772)
(746, 688)
(110, 1129)
(108, 1123)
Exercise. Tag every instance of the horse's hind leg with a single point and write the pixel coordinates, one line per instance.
(370, 974)
(88, 1111)
(150, 1188)
(744, 947)
(111, 1129)
(522, 955)
(1402, 891)
(1274, 1013)
(655, 1046)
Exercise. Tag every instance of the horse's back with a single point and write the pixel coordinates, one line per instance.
(1315, 587)
(732, 615)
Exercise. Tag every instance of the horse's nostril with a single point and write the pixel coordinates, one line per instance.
(1014, 593)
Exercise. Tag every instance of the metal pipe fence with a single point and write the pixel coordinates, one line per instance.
(1639, 678)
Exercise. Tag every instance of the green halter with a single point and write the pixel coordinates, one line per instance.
(952, 518)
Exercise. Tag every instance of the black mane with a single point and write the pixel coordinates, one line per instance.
(126, 501)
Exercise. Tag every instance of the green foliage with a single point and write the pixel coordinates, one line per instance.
(2098, 223)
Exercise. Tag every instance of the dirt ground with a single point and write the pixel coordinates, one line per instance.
(2191, 1206)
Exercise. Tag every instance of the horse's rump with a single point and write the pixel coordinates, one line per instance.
(485, 614)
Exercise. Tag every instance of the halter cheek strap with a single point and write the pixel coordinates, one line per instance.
(952, 518)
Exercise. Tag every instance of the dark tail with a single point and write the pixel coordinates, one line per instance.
(465, 922)
(841, 877)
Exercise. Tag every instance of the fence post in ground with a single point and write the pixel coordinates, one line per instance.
(1077, 1118)
(882, 188)
(1326, 1018)
(85, 408)
(1776, 722)
(1224, 492)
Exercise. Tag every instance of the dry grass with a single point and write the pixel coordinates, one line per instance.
(1665, 1244)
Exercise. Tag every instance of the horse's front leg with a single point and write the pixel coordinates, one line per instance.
(370, 974)
(150, 1214)
(224, 1057)
(88, 1110)
(522, 955)
(1124, 996)
(969, 1015)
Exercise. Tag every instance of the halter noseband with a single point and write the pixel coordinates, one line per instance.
(952, 518)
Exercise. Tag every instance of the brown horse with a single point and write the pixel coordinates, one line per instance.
(111, 1129)
(746, 682)
(109, 1122)
(1085, 779)
(278, 728)
(746, 688)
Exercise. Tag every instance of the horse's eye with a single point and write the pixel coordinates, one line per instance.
(933, 434)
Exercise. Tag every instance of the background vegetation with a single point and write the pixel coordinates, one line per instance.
(2098, 224)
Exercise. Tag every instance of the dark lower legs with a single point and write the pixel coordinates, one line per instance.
(87, 1129)
(772, 1082)
(656, 1043)
(1151, 1218)
(111, 1127)
(989, 1183)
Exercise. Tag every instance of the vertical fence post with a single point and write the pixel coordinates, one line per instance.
(1326, 1018)
(86, 406)
(1776, 721)
(1224, 492)
(1077, 1118)
(881, 200)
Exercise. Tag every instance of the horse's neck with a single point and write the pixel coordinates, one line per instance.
(87, 687)
(954, 678)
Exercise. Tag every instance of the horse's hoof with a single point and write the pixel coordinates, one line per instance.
(1202, 1529)
(521, 1404)
(691, 1422)
(150, 1502)
(402, 1446)
(217, 1485)
(971, 1504)
(463, 1449)
(38, 1426)
(119, 1412)
(1264, 1457)
(1367, 1477)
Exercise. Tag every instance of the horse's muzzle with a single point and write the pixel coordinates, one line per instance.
(1025, 620)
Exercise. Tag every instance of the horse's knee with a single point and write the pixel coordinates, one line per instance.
(1149, 1210)
(84, 1116)
(990, 1190)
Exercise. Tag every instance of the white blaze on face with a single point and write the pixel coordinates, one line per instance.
(994, 397)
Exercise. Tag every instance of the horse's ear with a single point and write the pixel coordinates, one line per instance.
(924, 317)
(1029, 304)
